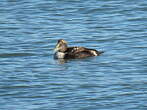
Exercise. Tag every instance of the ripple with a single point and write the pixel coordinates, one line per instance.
(7, 55)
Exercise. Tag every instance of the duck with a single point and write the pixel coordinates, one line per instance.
(62, 51)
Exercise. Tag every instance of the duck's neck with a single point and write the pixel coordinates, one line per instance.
(59, 55)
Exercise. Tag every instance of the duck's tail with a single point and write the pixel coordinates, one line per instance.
(99, 52)
(95, 52)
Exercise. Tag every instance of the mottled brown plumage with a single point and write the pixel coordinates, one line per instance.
(65, 52)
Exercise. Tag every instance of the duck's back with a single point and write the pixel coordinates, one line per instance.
(81, 52)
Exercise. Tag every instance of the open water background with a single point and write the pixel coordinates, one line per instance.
(30, 79)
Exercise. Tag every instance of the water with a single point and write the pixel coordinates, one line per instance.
(30, 79)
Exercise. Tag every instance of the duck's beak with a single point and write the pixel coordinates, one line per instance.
(56, 48)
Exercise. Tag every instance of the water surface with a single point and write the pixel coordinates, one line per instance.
(30, 79)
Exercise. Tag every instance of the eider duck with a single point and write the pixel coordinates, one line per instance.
(62, 51)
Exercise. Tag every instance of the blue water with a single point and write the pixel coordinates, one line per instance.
(30, 79)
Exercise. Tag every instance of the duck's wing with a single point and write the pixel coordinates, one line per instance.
(80, 52)
(74, 50)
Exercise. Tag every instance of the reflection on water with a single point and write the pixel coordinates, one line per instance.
(62, 61)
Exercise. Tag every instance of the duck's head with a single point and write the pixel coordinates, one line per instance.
(61, 46)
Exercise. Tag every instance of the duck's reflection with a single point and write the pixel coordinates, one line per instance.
(61, 61)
